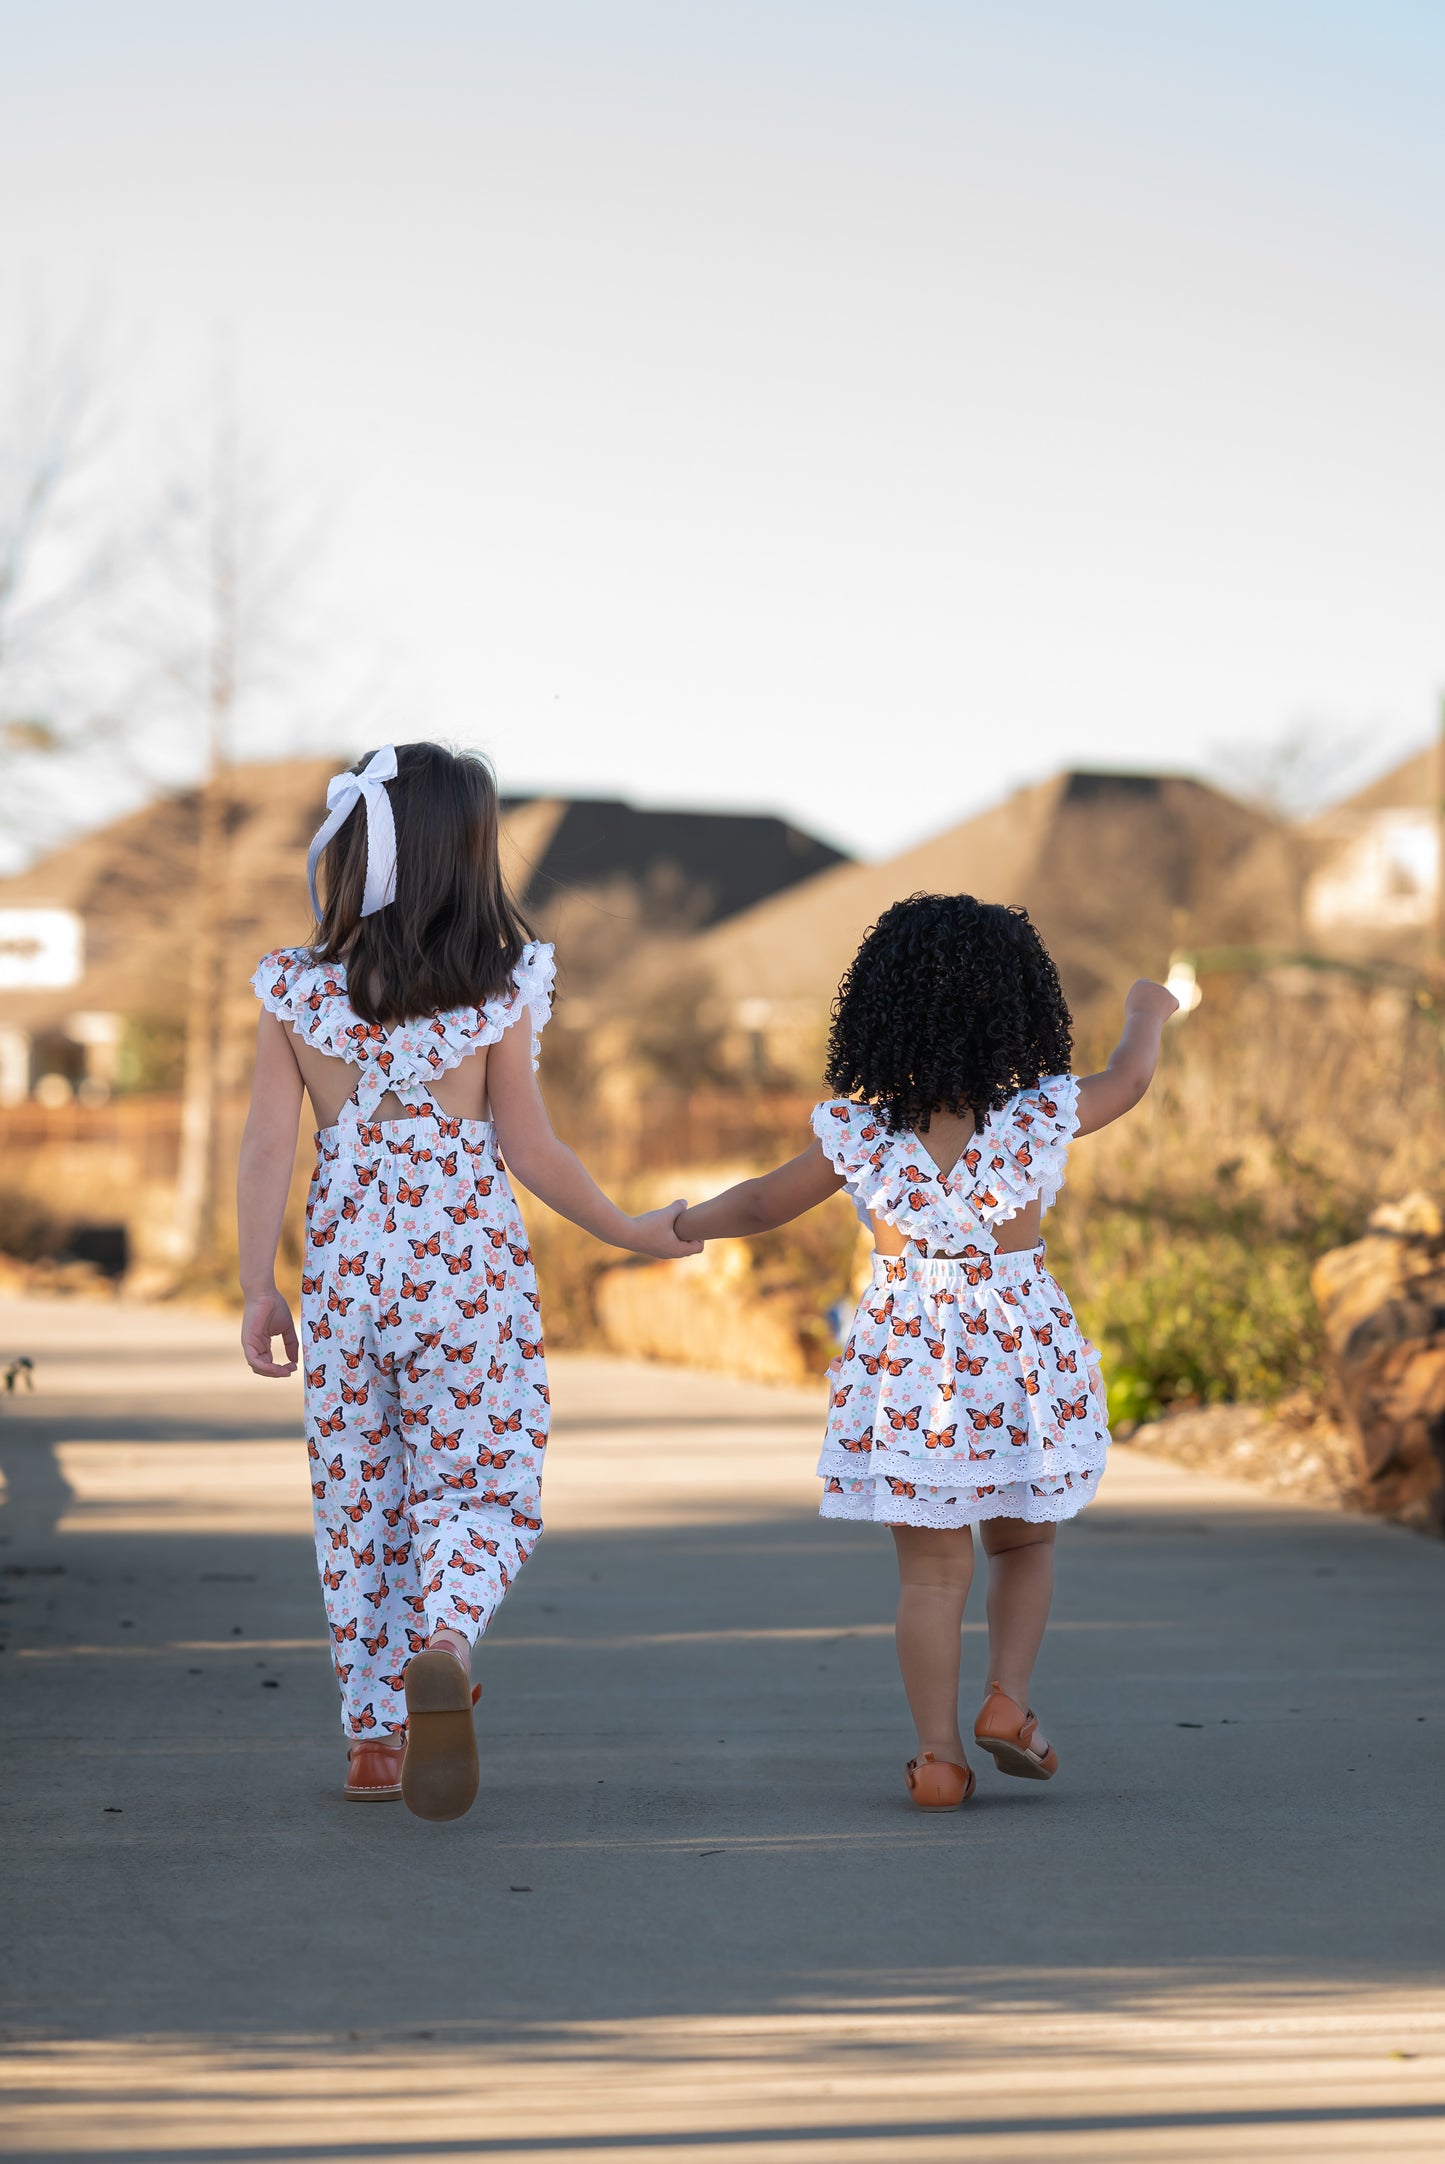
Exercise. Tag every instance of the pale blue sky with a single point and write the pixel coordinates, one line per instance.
(852, 410)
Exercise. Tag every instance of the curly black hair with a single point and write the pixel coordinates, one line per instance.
(949, 1005)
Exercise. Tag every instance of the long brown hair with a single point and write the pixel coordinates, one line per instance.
(453, 935)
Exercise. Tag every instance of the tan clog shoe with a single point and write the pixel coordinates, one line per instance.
(373, 1769)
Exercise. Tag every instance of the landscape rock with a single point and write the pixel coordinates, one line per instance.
(1293, 1448)
(1382, 1302)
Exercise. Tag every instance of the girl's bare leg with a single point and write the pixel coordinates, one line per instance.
(1020, 1588)
(935, 1567)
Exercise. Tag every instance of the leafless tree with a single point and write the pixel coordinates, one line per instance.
(64, 554)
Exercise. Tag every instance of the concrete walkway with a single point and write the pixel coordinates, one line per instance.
(693, 1917)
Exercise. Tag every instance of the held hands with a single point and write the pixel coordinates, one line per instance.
(267, 1316)
(655, 1233)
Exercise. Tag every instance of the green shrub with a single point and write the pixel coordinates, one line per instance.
(1190, 1314)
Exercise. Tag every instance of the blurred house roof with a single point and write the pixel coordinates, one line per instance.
(131, 882)
(689, 868)
(1116, 870)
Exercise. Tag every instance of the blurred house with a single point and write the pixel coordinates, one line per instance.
(1117, 871)
(93, 939)
(1373, 888)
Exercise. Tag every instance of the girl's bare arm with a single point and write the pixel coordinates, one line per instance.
(760, 1205)
(1108, 1096)
(553, 1172)
(268, 1152)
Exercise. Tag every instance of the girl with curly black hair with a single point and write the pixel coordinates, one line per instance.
(965, 1394)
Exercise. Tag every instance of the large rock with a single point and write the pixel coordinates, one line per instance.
(1382, 1300)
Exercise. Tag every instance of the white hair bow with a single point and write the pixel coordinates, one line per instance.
(342, 794)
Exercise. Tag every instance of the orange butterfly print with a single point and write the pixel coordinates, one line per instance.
(841, 1397)
(468, 1479)
(459, 1212)
(533, 1525)
(337, 1306)
(499, 1458)
(993, 1418)
(462, 1398)
(316, 1377)
(468, 1353)
(356, 1395)
(357, 1511)
(420, 1248)
(901, 1487)
(531, 1348)
(446, 1439)
(1066, 1362)
(410, 1198)
(341, 1632)
(510, 1426)
(375, 1645)
(331, 1579)
(941, 1438)
(899, 1420)
(411, 1291)
(1008, 1340)
(415, 1416)
(457, 1264)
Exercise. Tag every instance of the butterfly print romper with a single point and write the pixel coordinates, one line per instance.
(421, 1340)
(965, 1390)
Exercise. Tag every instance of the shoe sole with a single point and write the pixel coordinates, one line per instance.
(1010, 1759)
(439, 1774)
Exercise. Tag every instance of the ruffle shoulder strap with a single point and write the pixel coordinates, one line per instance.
(533, 982)
(1024, 1147)
(855, 1143)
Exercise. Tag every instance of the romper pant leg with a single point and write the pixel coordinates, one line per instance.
(475, 1494)
(364, 1550)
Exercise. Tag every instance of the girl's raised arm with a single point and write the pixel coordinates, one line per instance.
(268, 1152)
(1108, 1096)
(553, 1172)
(760, 1205)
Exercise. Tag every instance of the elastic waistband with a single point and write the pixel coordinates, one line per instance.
(953, 1273)
(445, 1129)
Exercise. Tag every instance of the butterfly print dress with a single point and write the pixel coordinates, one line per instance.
(965, 1390)
(425, 1385)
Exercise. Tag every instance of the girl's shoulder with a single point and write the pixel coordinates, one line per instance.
(312, 997)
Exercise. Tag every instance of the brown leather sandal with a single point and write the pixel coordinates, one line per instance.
(938, 1784)
(373, 1769)
(439, 1773)
(1006, 1731)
